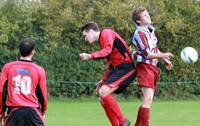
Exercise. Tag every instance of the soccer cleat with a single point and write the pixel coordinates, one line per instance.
(126, 123)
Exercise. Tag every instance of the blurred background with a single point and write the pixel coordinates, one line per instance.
(55, 26)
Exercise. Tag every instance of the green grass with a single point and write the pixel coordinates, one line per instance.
(90, 113)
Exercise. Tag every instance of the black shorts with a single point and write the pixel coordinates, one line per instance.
(121, 76)
(25, 116)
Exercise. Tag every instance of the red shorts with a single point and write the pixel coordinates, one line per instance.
(147, 75)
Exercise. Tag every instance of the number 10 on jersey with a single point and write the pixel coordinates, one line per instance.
(22, 84)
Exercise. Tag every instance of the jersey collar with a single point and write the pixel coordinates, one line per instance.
(99, 36)
(25, 60)
(149, 28)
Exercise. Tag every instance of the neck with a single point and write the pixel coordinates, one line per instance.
(98, 35)
(144, 26)
(26, 58)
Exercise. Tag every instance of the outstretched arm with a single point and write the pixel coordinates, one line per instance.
(106, 47)
(167, 62)
(160, 55)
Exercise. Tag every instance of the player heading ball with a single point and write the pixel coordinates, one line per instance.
(120, 72)
(147, 55)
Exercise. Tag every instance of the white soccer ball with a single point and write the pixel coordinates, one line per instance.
(189, 55)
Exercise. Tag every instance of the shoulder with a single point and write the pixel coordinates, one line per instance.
(38, 70)
(9, 64)
(107, 32)
(139, 34)
(38, 67)
(139, 30)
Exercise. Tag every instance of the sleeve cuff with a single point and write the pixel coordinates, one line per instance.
(92, 56)
(146, 52)
(1, 115)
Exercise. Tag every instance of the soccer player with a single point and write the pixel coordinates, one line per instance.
(147, 55)
(120, 72)
(23, 90)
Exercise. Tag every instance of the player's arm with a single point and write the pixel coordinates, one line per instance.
(41, 92)
(167, 62)
(159, 55)
(3, 91)
(142, 43)
(106, 48)
(165, 57)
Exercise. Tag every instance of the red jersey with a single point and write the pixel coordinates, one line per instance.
(113, 48)
(23, 84)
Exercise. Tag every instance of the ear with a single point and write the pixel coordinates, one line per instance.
(33, 52)
(84, 32)
(138, 21)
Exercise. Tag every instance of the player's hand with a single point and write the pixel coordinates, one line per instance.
(167, 55)
(43, 116)
(98, 85)
(1, 121)
(168, 64)
(85, 56)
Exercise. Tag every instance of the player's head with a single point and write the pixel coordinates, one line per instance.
(141, 16)
(27, 47)
(90, 31)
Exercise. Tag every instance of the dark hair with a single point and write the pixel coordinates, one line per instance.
(136, 14)
(26, 47)
(90, 25)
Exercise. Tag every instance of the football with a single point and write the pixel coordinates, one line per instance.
(189, 55)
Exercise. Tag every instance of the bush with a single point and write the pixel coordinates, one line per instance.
(55, 26)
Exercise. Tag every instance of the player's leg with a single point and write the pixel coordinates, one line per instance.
(144, 110)
(113, 111)
(147, 77)
(119, 77)
(110, 105)
(111, 116)
(14, 118)
(36, 118)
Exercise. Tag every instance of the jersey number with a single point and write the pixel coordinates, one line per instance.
(22, 84)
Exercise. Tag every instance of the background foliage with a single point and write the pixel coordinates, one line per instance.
(55, 26)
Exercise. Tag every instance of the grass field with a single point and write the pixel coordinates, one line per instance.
(90, 113)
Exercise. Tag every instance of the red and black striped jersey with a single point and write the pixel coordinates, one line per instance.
(113, 48)
(23, 84)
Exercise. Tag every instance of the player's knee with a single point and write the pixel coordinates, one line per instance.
(148, 101)
(103, 92)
